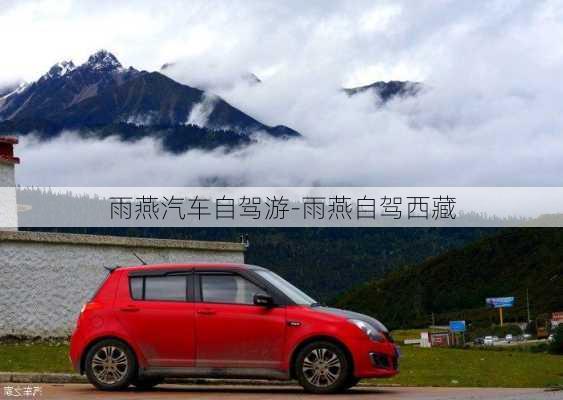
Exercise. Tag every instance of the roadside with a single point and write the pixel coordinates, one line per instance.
(419, 367)
(77, 391)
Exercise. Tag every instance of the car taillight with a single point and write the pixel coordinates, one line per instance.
(90, 307)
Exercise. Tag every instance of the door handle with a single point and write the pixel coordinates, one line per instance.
(129, 309)
(206, 312)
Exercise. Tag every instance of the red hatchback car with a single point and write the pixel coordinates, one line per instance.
(150, 322)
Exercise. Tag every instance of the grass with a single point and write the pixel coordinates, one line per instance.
(419, 367)
(476, 368)
(34, 357)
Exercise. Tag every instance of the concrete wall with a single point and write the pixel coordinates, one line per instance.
(8, 208)
(45, 278)
(7, 173)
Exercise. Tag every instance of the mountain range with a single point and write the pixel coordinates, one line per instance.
(101, 98)
(524, 263)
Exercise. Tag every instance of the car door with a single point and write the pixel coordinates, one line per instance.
(158, 313)
(232, 332)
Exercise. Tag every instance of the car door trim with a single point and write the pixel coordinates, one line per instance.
(214, 372)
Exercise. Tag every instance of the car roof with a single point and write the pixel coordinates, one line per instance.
(184, 266)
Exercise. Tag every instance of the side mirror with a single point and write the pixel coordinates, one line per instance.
(263, 300)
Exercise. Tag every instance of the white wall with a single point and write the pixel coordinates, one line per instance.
(46, 278)
(7, 177)
(8, 207)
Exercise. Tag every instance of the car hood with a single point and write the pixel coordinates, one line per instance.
(353, 315)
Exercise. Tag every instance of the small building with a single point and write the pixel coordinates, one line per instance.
(440, 339)
(8, 205)
(556, 319)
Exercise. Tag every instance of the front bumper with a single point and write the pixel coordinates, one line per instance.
(375, 360)
(384, 361)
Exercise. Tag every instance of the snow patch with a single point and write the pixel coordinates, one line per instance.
(22, 86)
(147, 119)
(60, 69)
(199, 114)
(103, 60)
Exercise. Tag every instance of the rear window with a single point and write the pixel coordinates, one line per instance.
(137, 288)
(163, 288)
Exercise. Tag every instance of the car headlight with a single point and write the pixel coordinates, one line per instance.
(369, 330)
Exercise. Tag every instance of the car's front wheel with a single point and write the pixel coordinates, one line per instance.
(352, 381)
(322, 367)
(110, 365)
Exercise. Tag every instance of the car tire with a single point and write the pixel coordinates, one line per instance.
(352, 381)
(323, 367)
(110, 365)
(147, 383)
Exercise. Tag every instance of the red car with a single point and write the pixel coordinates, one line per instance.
(150, 322)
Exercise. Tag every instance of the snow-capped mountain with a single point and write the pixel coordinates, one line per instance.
(64, 86)
(103, 61)
(101, 95)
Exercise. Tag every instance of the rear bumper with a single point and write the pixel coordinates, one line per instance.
(375, 360)
(75, 351)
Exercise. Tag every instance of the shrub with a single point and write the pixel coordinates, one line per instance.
(495, 330)
(556, 346)
(539, 348)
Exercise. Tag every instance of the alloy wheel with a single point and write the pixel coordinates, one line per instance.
(322, 367)
(110, 365)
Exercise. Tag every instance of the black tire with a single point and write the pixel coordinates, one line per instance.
(323, 367)
(352, 381)
(147, 383)
(115, 373)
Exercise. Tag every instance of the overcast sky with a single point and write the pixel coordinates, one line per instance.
(356, 41)
(490, 113)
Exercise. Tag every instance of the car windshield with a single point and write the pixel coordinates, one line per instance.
(295, 294)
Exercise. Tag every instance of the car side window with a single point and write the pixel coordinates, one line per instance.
(163, 288)
(228, 288)
(136, 284)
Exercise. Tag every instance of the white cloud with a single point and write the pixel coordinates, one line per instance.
(200, 113)
(380, 18)
(490, 114)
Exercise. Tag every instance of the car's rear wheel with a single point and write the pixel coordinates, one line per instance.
(110, 365)
(322, 367)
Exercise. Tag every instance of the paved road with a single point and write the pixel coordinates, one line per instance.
(81, 391)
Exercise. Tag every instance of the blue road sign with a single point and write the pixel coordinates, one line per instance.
(457, 326)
